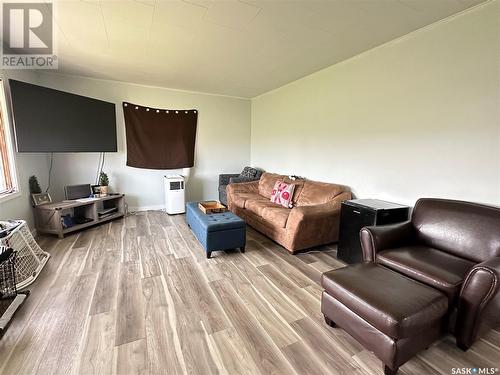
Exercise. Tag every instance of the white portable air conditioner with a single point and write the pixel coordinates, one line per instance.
(175, 200)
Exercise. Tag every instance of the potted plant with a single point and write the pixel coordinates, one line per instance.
(104, 182)
(35, 189)
(34, 185)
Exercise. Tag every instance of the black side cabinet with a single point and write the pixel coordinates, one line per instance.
(358, 213)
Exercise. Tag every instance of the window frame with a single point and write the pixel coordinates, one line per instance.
(10, 150)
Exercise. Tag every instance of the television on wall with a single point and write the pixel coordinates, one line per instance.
(48, 120)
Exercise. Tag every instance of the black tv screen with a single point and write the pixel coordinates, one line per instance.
(48, 120)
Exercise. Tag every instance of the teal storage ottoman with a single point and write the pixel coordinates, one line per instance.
(220, 231)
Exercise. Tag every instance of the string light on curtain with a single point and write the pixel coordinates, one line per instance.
(159, 142)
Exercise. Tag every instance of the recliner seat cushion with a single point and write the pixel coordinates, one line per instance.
(394, 304)
(443, 271)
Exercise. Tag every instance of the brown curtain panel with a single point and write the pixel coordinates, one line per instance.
(159, 138)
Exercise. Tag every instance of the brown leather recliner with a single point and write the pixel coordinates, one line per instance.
(453, 246)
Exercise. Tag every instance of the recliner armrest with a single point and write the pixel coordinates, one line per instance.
(318, 212)
(315, 212)
(377, 238)
(313, 225)
(479, 302)
(239, 180)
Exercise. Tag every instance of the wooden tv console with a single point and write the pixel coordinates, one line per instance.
(48, 217)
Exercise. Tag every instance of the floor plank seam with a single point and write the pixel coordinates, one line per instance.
(148, 300)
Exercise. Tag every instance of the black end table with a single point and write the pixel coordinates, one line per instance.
(358, 213)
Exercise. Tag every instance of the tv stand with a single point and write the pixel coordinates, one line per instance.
(61, 218)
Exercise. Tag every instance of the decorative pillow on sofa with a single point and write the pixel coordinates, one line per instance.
(282, 194)
(248, 172)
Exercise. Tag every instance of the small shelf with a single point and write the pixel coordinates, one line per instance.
(111, 217)
(78, 226)
(49, 217)
(107, 211)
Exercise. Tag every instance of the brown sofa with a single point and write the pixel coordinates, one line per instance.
(313, 220)
(454, 247)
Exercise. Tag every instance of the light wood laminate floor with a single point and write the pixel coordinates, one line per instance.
(138, 296)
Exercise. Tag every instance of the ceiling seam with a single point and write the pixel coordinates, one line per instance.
(104, 24)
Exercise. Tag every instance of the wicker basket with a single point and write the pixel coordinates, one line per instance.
(8, 287)
(10, 299)
(30, 258)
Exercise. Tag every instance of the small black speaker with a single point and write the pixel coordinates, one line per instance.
(358, 213)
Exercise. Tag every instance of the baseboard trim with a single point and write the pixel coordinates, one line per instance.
(146, 208)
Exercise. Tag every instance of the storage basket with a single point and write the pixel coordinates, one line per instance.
(8, 288)
(10, 299)
(30, 258)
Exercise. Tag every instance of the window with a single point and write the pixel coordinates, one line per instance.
(8, 181)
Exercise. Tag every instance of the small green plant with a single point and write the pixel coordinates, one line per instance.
(103, 179)
(34, 185)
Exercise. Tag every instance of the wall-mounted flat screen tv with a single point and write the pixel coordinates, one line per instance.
(48, 120)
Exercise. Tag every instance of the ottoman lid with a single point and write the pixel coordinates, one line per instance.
(221, 221)
(394, 304)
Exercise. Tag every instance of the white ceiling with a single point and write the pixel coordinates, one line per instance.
(240, 48)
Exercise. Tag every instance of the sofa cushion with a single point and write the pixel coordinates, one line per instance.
(315, 192)
(257, 205)
(433, 267)
(277, 216)
(240, 199)
(299, 185)
(267, 182)
(394, 304)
